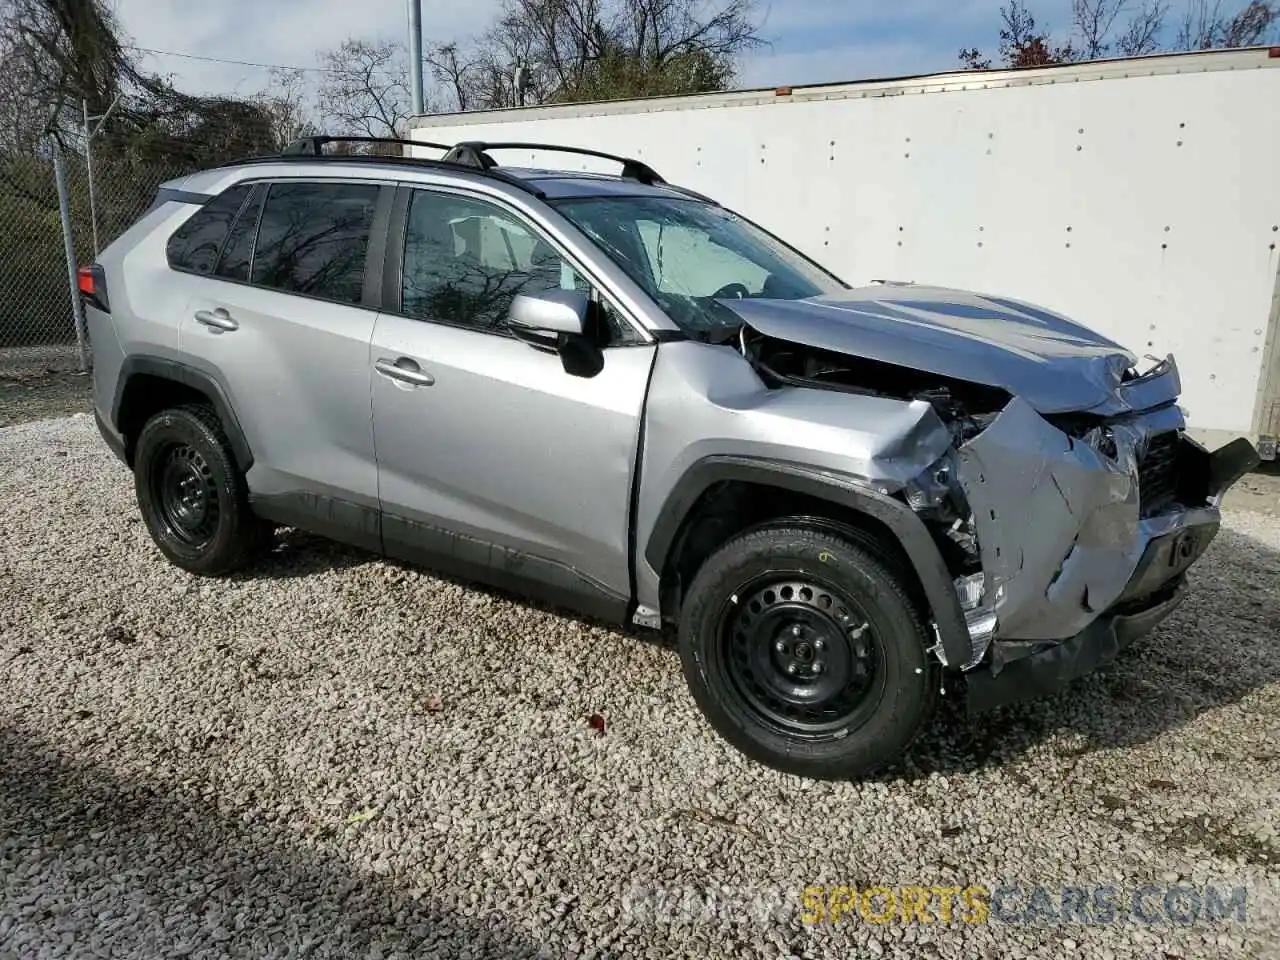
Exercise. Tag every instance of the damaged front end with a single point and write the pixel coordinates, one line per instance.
(1085, 528)
(1068, 534)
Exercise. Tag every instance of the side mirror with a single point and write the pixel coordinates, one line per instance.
(556, 322)
(551, 312)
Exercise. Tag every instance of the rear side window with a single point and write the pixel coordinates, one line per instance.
(313, 238)
(196, 244)
(237, 252)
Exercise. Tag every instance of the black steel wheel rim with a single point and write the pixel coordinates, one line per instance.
(801, 656)
(185, 494)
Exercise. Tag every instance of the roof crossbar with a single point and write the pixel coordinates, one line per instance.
(475, 153)
(313, 146)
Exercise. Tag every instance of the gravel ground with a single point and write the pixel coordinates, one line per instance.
(336, 756)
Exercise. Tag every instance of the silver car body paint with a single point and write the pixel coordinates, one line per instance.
(138, 277)
(301, 366)
(506, 445)
(1053, 364)
(706, 400)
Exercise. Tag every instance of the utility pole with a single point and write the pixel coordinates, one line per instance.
(521, 82)
(90, 131)
(69, 250)
(415, 57)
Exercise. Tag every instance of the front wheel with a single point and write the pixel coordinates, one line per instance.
(805, 652)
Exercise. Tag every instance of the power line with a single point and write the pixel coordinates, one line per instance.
(238, 63)
(251, 63)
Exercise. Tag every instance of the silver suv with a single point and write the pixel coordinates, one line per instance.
(616, 396)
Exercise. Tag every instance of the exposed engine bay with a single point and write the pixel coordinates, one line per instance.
(965, 407)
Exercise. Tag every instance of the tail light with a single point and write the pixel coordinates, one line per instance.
(92, 281)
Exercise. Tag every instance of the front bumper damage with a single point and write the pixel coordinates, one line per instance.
(1043, 668)
(1078, 556)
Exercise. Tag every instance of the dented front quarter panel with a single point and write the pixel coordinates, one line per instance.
(1058, 522)
(704, 401)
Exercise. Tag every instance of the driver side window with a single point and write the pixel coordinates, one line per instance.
(466, 259)
(687, 262)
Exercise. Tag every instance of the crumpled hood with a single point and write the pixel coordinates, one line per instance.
(1055, 365)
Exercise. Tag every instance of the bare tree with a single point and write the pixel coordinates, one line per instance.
(66, 52)
(1093, 20)
(1205, 27)
(1141, 35)
(1022, 42)
(285, 104)
(514, 40)
(1095, 23)
(365, 88)
(453, 71)
(599, 49)
(1200, 25)
(21, 126)
(1251, 25)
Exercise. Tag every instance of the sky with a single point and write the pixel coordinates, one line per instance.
(810, 41)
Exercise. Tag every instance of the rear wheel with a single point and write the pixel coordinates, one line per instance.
(191, 494)
(806, 653)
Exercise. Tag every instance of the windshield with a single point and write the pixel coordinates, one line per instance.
(689, 255)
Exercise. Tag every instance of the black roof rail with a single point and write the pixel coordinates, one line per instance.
(475, 153)
(415, 162)
(311, 146)
(470, 155)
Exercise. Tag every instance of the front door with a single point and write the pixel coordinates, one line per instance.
(492, 460)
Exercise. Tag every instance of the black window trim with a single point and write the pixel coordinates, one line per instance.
(255, 189)
(375, 253)
(393, 270)
(231, 225)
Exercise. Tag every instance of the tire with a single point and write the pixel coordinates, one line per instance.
(192, 496)
(806, 653)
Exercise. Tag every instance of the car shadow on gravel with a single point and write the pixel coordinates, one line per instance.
(1218, 647)
(297, 553)
(147, 869)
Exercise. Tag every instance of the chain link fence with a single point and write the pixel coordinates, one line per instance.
(37, 322)
(36, 328)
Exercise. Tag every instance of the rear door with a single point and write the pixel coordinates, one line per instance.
(283, 317)
(493, 460)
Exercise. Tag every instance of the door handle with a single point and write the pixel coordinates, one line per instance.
(406, 371)
(217, 320)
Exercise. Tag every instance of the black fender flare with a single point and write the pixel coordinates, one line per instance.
(902, 522)
(196, 379)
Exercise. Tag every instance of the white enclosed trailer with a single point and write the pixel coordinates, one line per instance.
(1140, 197)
